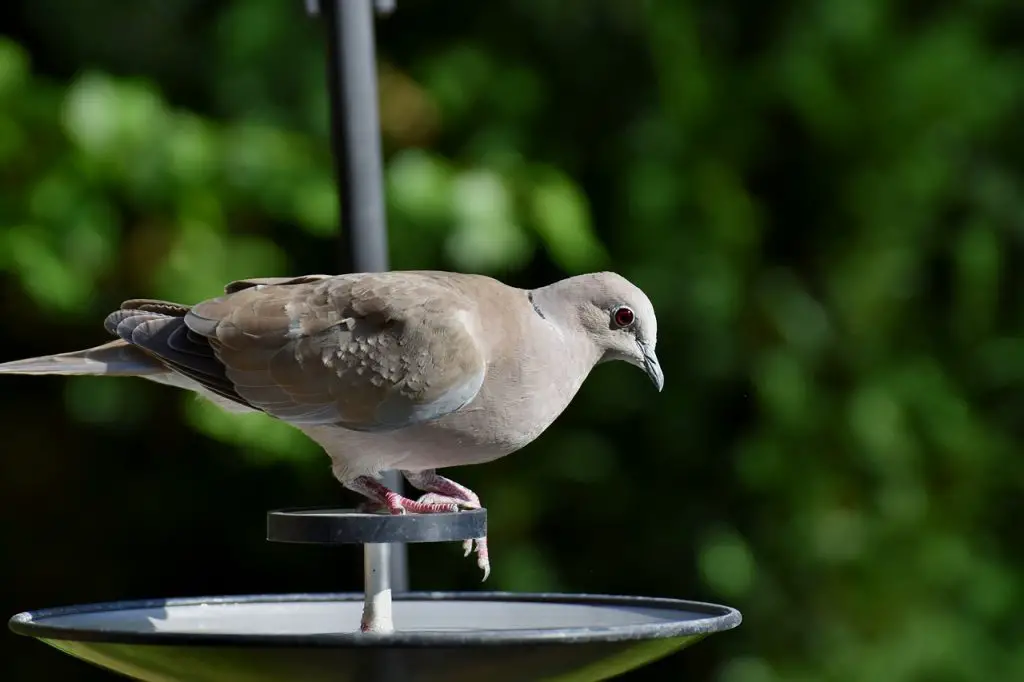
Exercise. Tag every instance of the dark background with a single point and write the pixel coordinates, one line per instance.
(823, 199)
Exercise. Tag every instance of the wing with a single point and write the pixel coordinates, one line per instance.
(240, 284)
(158, 329)
(370, 352)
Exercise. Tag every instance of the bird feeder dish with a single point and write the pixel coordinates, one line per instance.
(445, 637)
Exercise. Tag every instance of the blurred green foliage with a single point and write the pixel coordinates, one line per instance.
(823, 199)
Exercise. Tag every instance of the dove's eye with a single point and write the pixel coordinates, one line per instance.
(623, 316)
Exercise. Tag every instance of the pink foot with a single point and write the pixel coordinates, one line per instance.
(397, 504)
(444, 496)
(483, 560)
(381, 497)
(443, 490)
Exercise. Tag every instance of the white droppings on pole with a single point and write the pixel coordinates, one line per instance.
(377, 589)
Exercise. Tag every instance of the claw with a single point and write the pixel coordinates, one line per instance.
(441, 502)
(482, 559)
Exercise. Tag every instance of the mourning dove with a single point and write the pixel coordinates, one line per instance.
(406, 370)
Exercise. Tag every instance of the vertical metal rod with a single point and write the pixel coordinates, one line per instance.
(359, 168)
(355, 134)
(376, 590)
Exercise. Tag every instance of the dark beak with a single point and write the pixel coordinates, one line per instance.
(653, 367)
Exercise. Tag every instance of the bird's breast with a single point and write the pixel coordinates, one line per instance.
(522, 394)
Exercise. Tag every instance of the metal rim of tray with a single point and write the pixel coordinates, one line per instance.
(718, 618)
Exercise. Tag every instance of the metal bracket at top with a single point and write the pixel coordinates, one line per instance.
(383, 7)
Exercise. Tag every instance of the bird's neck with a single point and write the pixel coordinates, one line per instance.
(562, 314)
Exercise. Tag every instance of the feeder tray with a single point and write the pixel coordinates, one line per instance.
(430, 637)
(443, 637)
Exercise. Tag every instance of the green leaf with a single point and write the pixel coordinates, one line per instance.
(562, 219)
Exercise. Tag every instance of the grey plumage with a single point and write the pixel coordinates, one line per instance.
(409, 370)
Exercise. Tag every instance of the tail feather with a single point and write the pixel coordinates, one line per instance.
(116, 358)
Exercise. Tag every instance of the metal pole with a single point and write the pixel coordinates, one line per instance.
(376, 591)
(355, 133)
(359, 169)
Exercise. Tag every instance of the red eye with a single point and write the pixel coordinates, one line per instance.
(623, 317)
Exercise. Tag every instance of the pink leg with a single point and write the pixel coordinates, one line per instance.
(441, 488)
(380, 494)
(444, 491)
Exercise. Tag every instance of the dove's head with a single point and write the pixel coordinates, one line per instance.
(618, 317)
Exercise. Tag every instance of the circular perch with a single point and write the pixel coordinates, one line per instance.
(330, 526)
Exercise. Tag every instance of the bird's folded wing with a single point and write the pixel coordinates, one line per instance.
(368, 351)
(240, 284)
